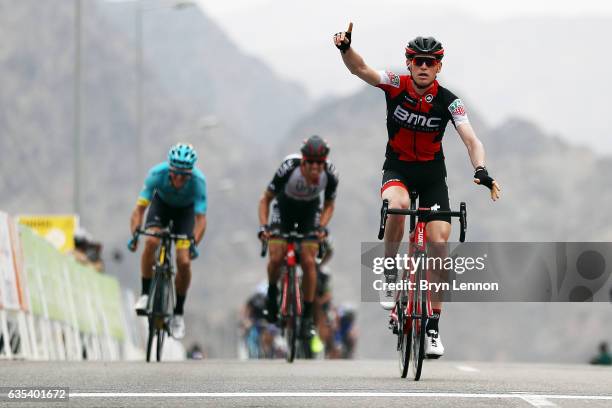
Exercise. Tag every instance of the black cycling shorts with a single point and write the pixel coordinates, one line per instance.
(428, 179)
(287, 212)
(160, 214)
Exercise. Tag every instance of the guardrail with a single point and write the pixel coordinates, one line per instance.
(54, 308)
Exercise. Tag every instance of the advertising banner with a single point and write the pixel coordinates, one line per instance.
(57, 229)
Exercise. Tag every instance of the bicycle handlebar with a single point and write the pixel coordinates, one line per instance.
(165, 233)
(292, 236)
(422, 212)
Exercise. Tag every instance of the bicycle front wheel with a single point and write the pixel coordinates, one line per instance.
(403, 339)
(291, 318)
(419, 320)
(161, 334)
(150, 339)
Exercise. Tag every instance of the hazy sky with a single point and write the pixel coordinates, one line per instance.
(496, 51)
(480, 8)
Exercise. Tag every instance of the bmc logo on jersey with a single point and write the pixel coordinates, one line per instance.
(456, 108)
(414, 118)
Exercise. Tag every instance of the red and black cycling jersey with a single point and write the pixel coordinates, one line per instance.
(416, 123)
(288, 181)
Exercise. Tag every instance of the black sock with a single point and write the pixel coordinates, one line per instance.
(146, 286)
(180, 301)
(432, 324)
(307, 309)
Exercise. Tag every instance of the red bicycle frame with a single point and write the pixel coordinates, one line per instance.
(291, 262)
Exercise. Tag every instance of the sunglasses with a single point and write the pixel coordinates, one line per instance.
(430, 62)
(310, 161)
(177, 173)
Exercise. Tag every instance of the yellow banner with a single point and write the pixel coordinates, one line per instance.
(57, 229)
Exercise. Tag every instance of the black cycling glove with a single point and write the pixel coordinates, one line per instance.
(344, 46)
(193, 250)
(483, 175)
(262, 230)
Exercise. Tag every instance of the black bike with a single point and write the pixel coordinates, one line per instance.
(413, 305)
(162, 295)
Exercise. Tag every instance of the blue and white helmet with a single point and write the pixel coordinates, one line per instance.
(182, 156)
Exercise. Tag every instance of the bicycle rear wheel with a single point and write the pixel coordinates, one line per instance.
(419, 320)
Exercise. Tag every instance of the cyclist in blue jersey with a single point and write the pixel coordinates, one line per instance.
(173, 191)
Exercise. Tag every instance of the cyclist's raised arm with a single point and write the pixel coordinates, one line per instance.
(353, 61)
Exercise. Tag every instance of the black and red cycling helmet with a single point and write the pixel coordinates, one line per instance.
(425, 46)
(315, 148)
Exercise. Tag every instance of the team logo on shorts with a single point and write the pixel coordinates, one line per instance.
(456, 108)
(394, 79)
(429, 98)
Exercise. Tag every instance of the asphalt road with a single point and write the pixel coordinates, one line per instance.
(358, 383)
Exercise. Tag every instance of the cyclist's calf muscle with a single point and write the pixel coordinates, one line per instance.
(148, 255)
(308, 263)
(183, 266)
(276, 252)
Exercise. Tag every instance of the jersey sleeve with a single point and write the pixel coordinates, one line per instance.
(281, 176)
(389, 81)
(144, 198)
(332, 182)
(200, 204)
(457, 112)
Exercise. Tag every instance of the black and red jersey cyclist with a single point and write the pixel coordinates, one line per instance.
(297, 186)
(418, 110)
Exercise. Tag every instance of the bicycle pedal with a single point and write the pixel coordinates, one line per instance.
(432, 356)
(141, 312)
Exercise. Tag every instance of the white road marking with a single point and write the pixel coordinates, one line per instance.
(526, 397)
(467, 369)
(538, 401)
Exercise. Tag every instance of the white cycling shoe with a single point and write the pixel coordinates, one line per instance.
(433, 345)
(141, 305)
(177, 327)
(387, 297)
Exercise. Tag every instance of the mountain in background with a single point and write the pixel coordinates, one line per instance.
(192, 70)
(37, 117)
(199, 65)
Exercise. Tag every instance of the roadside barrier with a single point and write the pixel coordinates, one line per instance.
(54, 308)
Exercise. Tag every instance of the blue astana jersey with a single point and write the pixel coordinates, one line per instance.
(192, 192)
